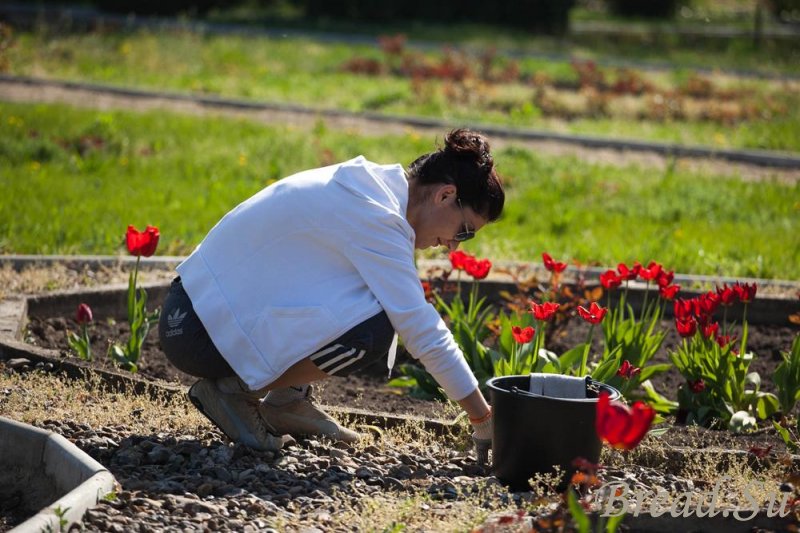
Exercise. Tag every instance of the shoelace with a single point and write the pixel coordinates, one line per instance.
(252, 405)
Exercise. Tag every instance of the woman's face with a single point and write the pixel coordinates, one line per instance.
(440, 218)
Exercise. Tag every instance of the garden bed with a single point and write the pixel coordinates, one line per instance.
(50, 317)
(191, 477)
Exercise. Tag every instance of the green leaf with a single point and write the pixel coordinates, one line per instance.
(651, 370)
(786, 436)
(753, 379)
(403, 381)
(606, 370)
(767, 404)
(657, 432)
(614, 522)
(571, 358)
(660, 403)
(578, 514)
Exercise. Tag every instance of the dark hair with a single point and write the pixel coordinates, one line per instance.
(466, 162)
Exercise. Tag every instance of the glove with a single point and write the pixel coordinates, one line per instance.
(482, 437)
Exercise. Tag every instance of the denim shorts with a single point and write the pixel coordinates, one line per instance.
(189, 348)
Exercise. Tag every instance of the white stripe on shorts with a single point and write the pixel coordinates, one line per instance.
(348, 362)
(336, 359)
(325, 352)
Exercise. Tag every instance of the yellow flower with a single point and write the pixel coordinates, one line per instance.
(35, 165)
(242, 159)
(125, 49)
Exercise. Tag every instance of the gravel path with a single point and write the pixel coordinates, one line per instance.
(200, 482)
(191, 482)
(175, 473)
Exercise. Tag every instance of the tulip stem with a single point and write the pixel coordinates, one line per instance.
(644, 304)
(725, 320)
(585, 358)
(538, 338)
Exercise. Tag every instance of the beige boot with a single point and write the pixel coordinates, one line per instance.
(300, 416)
(235, 411)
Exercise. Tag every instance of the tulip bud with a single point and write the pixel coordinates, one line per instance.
(84, 314)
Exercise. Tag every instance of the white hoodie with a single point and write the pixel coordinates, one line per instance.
(308, 258)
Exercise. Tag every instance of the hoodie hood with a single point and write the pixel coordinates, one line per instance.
(385, 185)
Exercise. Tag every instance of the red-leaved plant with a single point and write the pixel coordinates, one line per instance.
(141, 244)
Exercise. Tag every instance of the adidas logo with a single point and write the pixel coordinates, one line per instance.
(174, 320)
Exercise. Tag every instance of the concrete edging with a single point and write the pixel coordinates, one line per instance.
(776, 300)
(80, 480)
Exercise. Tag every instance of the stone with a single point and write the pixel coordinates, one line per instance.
(222, 454)
(364, 473)
(159, 455)
(18, 363)
(337, 454)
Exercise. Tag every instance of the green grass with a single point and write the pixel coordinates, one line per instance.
(183, 173)
(308, 72)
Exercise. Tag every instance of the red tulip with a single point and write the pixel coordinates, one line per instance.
(84, 314)
(593, 315)
(629, 273)
(142, 243)
(683, 308)
(621, 426)
(745, 292)
(727, 296)
(610, 280)
(552, 266)
(544, 311)
(627, 370)
(697, 386)
(665, 278)
(725, 340)
(522, 335)
(478, 268)
(706, 304)
(668, 292)
(686, 327)
(458, 259)
(651, 272)
(710, 330)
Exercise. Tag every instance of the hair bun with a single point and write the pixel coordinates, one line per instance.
(469, 144)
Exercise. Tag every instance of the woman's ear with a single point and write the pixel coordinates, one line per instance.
(445, 193)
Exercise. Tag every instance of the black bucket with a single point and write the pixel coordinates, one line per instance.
(535, 433)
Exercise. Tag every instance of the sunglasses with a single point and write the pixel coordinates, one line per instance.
(465, 234)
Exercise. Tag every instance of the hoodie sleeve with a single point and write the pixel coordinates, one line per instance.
(383, 252)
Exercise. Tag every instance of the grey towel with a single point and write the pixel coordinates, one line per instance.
(558, 386)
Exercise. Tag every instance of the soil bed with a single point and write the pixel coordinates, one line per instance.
(369, 390)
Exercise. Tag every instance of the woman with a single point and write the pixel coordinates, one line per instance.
(312, 276)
